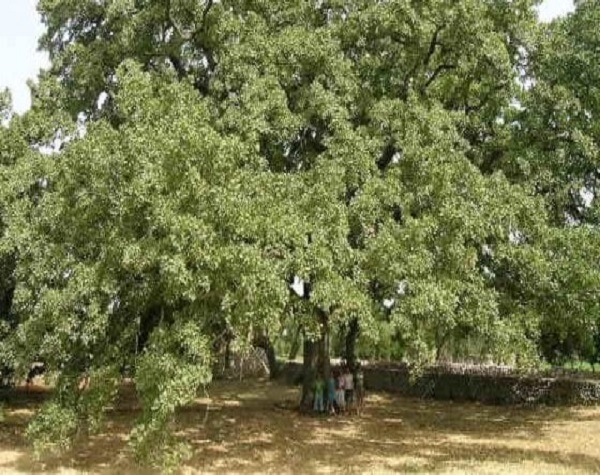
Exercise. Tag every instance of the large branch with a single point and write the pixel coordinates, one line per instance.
(207, 8)
(180, 32)
(432, 45)
(194, 36)
(441, 68)
(190, 35)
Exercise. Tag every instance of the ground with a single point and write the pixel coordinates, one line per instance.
(248, 428)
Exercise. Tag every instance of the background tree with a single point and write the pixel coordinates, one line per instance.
(556, 149)
(7, 261)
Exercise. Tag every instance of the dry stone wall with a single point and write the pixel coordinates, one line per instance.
(489, 385)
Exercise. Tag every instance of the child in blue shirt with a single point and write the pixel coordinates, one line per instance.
(319, 389)
(331, 394)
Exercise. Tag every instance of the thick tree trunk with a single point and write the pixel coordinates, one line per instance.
(309, 373)
(323, 363)
(316, 362)
(351, 337)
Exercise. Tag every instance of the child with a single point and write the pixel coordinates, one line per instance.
(331, 394)
(340, 393)
(349, 387)
(359, 389)
(319, 387)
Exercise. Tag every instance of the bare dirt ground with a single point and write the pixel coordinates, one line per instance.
(244, 428)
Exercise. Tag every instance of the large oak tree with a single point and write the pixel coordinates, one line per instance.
(212, 153)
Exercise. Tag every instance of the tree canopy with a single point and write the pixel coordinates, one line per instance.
(422, 167)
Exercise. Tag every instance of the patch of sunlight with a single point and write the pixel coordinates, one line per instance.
(256, 438)
(20, 413)
(230, 403)
(392, 421)
(523, 468)
(9, 457)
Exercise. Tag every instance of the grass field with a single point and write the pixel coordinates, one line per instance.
(246, 430)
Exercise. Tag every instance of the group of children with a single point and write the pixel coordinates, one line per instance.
(341, 392)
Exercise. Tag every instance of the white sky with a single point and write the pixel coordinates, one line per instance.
(20, 29)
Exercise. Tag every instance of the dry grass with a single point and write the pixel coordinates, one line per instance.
(246, 431)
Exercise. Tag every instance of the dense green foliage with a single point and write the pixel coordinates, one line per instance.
(206, 155)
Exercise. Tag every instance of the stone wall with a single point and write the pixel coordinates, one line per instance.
(486, 385)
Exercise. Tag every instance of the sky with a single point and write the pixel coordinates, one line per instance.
(20, 28)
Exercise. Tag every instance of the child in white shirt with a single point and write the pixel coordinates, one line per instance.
(349, 387)
(340, 392)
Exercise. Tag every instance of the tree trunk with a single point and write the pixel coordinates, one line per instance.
(351, 337)
(309, 373)
(323, 362)
(316, 362)
(295, 345)
(264, 342)
(227, 357)
(272, 360)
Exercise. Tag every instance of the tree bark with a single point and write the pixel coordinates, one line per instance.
(227, 356)
(295, 345)
(315, 362)
(309, 373)
(351, 337)
(323, 362)
(264, 342)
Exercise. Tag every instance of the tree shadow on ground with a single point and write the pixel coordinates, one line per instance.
(245, 428)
